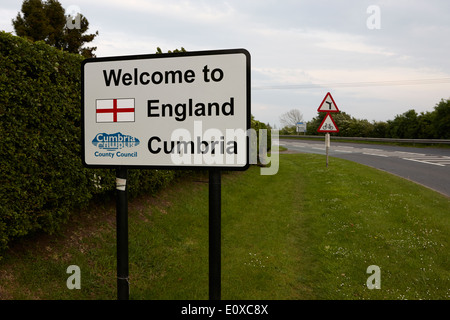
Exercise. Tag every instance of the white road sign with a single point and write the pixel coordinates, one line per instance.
(328, 104)
(181, 110)
(301, 126)
(328, 125)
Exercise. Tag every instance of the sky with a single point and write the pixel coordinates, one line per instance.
(378, 59)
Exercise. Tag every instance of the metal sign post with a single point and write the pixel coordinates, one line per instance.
(123, 285)
(215, 234)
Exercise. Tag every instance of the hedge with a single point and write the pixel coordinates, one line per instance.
(42, 176)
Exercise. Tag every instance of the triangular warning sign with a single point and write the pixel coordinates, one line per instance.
(328, 104)
(328, 125)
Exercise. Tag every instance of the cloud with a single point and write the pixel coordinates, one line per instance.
(354, 44)
(6, 16)
(280, 76)
(203, 12)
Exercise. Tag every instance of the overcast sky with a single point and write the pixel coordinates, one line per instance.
(377, 58)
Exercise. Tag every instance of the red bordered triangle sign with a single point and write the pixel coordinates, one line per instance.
(328, 125)
(328, 104)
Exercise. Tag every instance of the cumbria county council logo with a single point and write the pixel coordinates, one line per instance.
(114, 141)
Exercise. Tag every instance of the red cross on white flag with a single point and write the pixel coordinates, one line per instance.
(115, 110)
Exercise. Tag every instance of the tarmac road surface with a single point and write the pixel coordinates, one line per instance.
(427, 166)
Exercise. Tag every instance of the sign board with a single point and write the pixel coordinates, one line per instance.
(180, 110)
(328, 125)
(328, 104)
(301, 126)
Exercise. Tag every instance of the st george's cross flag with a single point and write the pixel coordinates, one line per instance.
(115, 110)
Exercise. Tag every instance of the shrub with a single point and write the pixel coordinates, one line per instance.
(42, 176)
(40, 119)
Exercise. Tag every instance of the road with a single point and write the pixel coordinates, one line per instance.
(427, 166)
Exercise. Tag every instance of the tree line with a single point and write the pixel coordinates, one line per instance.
(408, 125)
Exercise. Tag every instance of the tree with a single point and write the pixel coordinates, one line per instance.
(76, 38)
(354, 127)
(426, 129)
(290, 118)
(33, 23)
(46, 21)
(441, 120)
(404, 126)
(159, 51)
(55, 15)
(380, 129)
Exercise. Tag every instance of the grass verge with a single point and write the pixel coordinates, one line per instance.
(308, 232)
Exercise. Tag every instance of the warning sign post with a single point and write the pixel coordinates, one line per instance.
(328, 104)
(328, 125)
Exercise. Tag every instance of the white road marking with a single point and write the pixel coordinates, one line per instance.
(346, 151)
(426, 162)
(435, 160)
(376, 154)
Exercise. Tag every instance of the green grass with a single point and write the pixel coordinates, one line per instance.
(308, 232)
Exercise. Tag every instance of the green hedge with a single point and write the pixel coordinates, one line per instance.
(42, 176)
